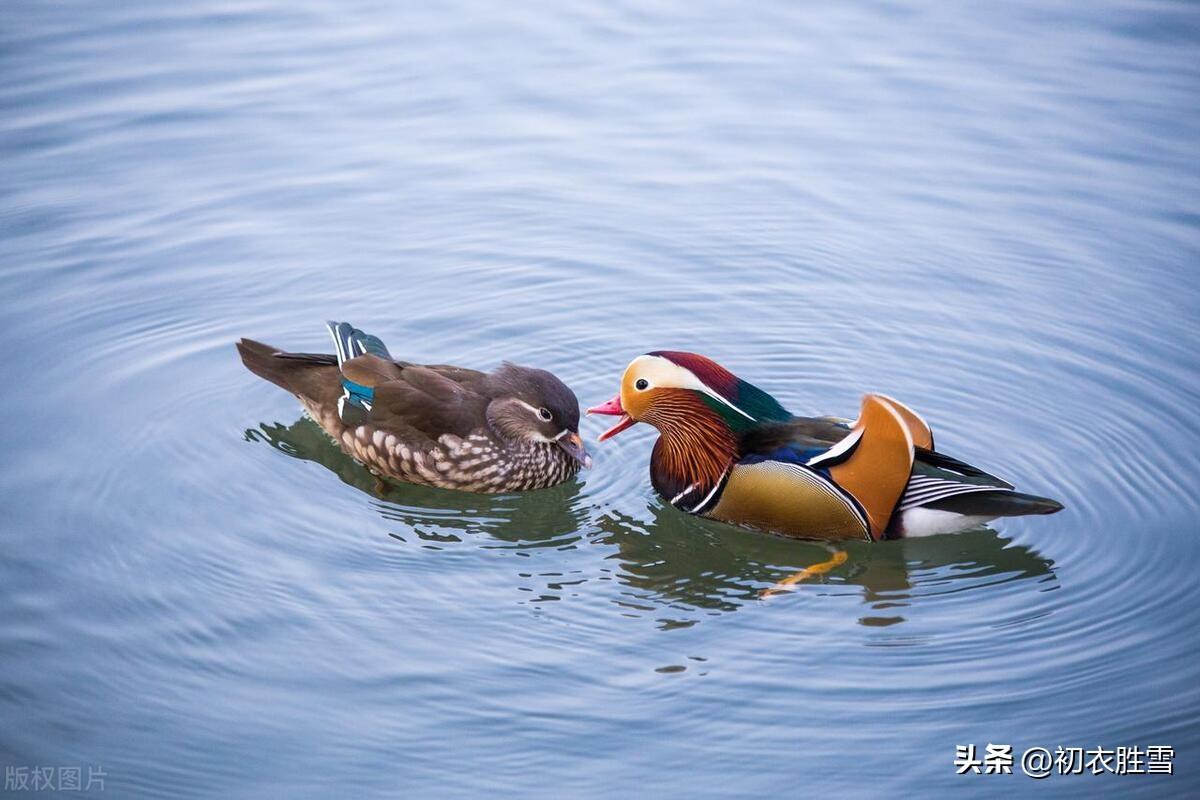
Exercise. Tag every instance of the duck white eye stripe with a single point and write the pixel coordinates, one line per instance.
(537, 412)
(667, 374)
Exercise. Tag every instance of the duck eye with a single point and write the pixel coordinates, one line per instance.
(545, 414)
(642, 384)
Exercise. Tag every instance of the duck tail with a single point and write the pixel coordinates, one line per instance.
(997, 504)
(285, 370)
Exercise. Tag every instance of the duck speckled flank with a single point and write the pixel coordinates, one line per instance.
(513, 429)
(729, 451)
(476, 463)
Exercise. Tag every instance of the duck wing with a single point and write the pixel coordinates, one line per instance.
(830, 447)
(424, 400)
(794, 441)
(409, 400)
(941, 465)
(804, 439)
(937, 477)
(868, 461)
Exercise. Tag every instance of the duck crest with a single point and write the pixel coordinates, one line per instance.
(742, 405)
(694, 453)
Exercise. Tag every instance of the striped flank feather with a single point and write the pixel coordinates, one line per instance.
(925, 489)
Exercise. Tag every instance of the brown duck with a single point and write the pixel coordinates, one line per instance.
(729, 451)
(512, 429)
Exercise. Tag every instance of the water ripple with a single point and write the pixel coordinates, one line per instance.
(985, 213)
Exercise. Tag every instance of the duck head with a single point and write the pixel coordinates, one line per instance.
(677, 392)
(532, 405)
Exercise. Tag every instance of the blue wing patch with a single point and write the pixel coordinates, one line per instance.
(357, 394)
(356, 399)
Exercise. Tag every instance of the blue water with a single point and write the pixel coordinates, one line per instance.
(987, 211)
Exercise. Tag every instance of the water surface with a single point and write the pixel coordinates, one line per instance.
(987, 212)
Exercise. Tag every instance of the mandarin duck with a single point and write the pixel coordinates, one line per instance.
(729, 451)
(512, 429)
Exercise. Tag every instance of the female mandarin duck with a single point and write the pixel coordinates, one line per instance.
(512, 429)
(729, 451)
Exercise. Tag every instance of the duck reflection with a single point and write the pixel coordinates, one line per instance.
(547, 516)
(675, 561)
(706, 565)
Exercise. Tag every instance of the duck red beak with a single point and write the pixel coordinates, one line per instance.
(613, 408)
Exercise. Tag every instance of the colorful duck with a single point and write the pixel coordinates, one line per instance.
(729, 451)
(512, 429)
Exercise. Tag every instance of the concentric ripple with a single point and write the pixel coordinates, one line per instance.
(985, 212)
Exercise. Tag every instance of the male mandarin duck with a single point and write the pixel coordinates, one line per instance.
(512, 429)
(729, 451)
